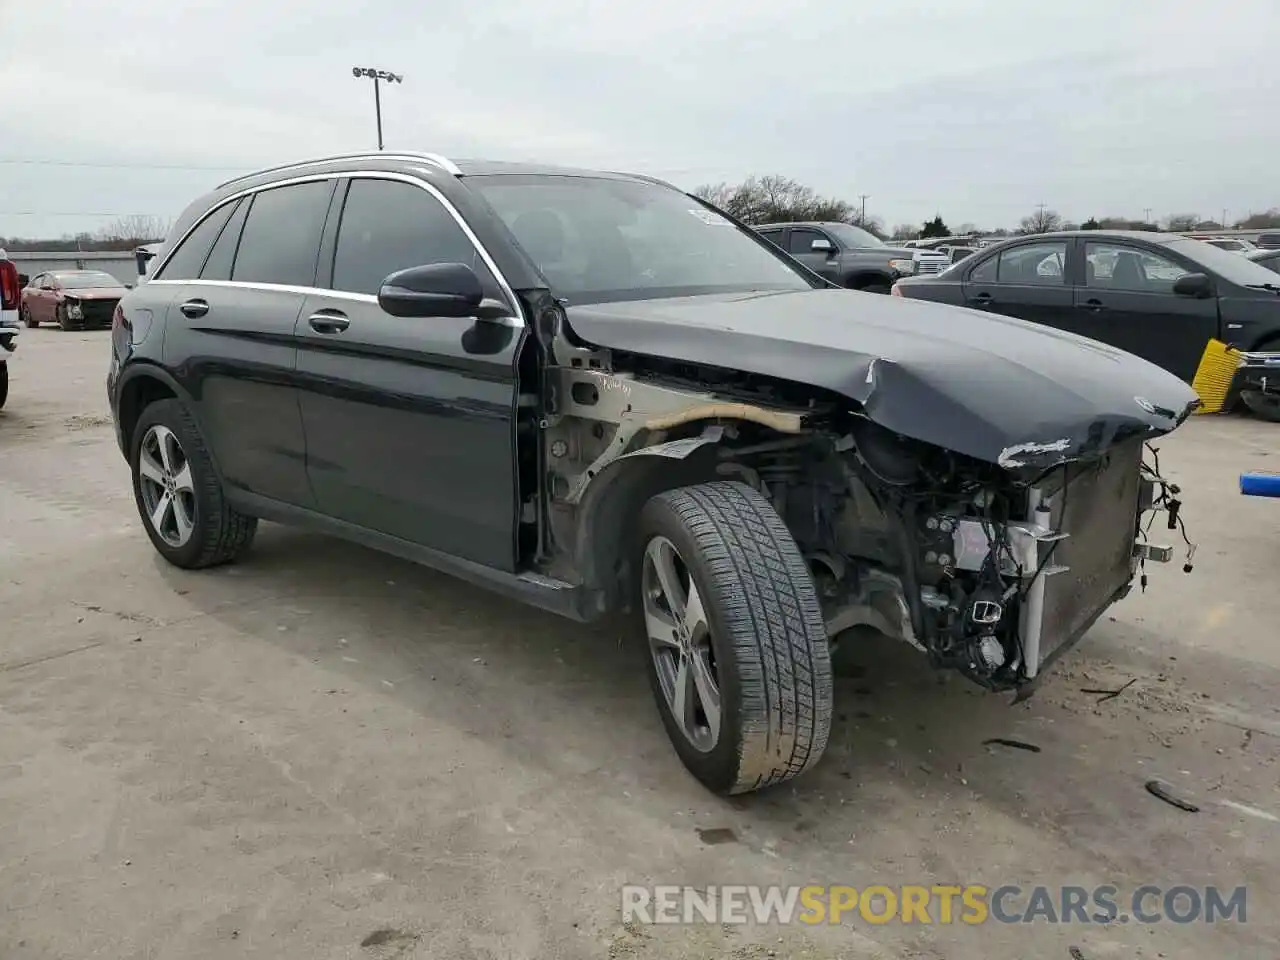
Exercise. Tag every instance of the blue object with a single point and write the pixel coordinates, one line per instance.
(1260, 484)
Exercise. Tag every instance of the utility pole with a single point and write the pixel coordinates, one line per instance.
(862, 216)
(376, 76)
(1223, 221)
(1146, 214)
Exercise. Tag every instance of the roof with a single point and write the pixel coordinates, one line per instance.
(434, 161)
(1151, 236)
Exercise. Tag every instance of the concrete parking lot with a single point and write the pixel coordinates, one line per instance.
(324, 752)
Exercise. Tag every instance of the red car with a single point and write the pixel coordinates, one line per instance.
(73, 299)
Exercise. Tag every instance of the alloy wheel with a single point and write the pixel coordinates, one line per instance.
(168, 493)
(680, 644)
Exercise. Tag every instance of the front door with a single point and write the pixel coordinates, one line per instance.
(1126, 299)
(1027, 281)
(825, 263)
(410, 422)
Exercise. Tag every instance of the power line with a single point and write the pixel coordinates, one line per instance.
(83, 213)
(45, 162)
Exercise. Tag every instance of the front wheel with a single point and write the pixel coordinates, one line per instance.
(4, 382)
(178, 492)
(737, 647)
(64, 321)
(1264, 406)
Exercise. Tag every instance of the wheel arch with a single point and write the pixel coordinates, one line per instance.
(142, 384)
(605, 536)
(868, 278)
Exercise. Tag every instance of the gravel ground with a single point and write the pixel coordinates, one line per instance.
(324, 752)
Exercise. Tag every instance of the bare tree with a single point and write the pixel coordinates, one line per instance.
(1043, 220)
(905, 231)
(773, 199)
(870, 223)
(1181, 222)
(1260, 221)
(134, 228)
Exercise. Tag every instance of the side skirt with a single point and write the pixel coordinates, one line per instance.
(546, 593)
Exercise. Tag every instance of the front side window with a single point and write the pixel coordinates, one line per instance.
(773, 236)
(598, 239)
(389, 225)
(281, 238)
(986, 271)
(1036, 263)
(802, 241)
(187, 260)
(1111, 266)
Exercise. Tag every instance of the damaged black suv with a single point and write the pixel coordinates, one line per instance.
(594, 393)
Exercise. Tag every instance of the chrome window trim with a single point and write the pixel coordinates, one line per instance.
(512, 301)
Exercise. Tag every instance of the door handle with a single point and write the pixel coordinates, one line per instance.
(983, 300)
(195, 308)
(1093, 305)
(328, 322)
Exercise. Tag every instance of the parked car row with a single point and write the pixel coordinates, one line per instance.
(595, 393)
(1162, 297)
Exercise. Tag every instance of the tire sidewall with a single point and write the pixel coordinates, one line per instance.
(171, 414)
(717, 768)
(4, 381)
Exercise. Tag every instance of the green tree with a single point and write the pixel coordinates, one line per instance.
(934, 228)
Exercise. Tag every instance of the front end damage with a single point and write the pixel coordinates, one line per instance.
(992, 569)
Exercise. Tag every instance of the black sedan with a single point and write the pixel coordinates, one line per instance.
(1160, 296)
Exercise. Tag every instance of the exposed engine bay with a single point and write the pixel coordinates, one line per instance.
(983, 571)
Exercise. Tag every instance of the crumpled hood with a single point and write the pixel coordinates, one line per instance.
(1002, 390)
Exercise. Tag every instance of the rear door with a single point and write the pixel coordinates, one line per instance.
(230, 331)
(1126, 299)
(410, 422)
(1027, 281)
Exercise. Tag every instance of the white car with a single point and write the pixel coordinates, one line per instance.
(9, 325)
(1233, 244)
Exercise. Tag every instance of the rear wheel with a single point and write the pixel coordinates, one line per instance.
(28, 319)
(737, 647)
(4, 382)
(178, 492)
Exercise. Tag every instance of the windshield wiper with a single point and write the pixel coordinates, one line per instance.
(1264, 286)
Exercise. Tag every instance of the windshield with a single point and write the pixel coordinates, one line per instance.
(1229, 266)
(598, 240)
(851, 236)
(82, 281)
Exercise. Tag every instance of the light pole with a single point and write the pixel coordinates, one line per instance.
(376, 75)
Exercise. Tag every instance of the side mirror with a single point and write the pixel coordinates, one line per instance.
(1196, 285)
(822, 246)
(432, 290)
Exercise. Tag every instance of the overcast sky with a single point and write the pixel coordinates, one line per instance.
(976, 109)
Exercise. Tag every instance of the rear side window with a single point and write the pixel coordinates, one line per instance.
(281, 238)
(1036, 263)
(187, 260)
(218, 266)
(388, 225)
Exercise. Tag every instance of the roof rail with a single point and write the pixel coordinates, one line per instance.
(435, 159)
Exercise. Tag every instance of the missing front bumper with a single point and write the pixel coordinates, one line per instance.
(1076, 552)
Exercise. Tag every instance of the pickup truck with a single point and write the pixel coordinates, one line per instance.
(851, 257)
